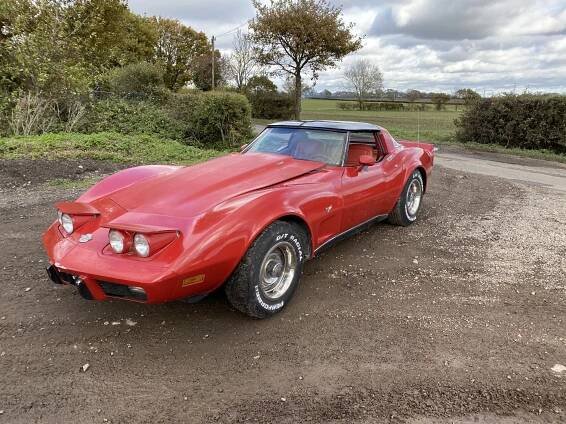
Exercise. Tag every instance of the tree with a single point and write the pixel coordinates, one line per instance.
(439, 99)
(202, 71)
(242, 63)
(289, 87)
(105, 34)
(468, 95)
(59, 47)
(180, 50)
(364, 78)
(260, 84)
(413, 95)
(298, 35)
(326, 93)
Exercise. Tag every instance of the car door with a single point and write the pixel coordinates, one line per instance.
(364, 190)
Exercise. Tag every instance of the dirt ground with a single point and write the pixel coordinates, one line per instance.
(460, 318)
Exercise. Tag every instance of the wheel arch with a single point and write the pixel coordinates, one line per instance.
(421, 169)
(290, 217)
(299, 220)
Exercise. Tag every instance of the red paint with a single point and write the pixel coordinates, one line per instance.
(203, 218)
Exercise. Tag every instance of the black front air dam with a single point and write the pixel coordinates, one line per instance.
(59, 277)
(53, 274)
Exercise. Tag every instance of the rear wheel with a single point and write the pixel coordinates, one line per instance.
(270, 271)
(409, 203)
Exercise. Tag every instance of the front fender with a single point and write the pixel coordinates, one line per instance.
(123, 179)
(220, 238)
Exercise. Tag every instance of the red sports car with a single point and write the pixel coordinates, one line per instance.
(247, 220)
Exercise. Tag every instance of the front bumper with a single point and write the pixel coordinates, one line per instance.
(92, 289)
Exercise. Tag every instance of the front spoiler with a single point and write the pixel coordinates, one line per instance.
(59, 277)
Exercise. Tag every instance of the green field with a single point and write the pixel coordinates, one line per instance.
(429, 125)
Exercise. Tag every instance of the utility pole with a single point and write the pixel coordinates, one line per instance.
(213, 59)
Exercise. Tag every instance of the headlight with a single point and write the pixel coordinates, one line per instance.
(117, 241)
(66, 222)
(141, 245)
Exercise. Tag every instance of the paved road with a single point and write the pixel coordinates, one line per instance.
(552, 177)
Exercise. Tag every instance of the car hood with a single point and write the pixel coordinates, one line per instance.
(191, 190)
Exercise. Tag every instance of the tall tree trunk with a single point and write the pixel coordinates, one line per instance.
(298, 95)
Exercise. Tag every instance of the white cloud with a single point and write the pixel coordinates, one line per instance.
(496, 45)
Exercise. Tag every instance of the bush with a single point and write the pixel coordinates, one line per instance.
(384, 106)
(212, 118)
(126, 117)
(31, 114)
(371, 106)
(525, 121)
(271, 105)
(137, 81)
(347, 105)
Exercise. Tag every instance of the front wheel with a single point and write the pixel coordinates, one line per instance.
(269, 272)
(409, 203)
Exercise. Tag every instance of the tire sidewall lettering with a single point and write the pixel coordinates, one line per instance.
(257, 293)
(267, 306)
(294, 240)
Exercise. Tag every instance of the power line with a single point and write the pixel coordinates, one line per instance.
(233, 29)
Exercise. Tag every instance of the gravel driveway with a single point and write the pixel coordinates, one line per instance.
(460, 318)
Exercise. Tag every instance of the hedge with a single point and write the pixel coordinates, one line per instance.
(382, 106)
(127, 117)
(214, 118)
(271, 105)
(524, 121)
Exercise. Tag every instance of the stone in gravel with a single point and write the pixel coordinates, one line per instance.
(283, 399)
(256, 357)
(130, 322)
(27, 289)
(85, 367)
(558, 368)
(115, 322)
(1, 411)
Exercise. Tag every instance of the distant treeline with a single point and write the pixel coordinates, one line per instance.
(453, 101)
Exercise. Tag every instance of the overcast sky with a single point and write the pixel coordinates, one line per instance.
(491, 45)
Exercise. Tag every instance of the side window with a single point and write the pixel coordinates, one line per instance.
(362, 137)
(361, 143)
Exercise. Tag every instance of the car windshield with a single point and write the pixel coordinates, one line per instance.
(306, 144)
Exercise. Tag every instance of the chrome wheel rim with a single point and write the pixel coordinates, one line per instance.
(413, 199)
(278, 270)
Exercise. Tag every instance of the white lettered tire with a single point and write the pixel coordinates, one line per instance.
(407, 208)
(269, 272)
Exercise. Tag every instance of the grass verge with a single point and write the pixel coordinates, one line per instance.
(525, 153)
(114, 147)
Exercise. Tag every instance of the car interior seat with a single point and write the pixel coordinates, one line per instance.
(357, 150)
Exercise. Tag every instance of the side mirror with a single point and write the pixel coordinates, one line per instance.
(367, 160)
(243, 146)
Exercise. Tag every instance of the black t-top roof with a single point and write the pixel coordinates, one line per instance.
(327, 125)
